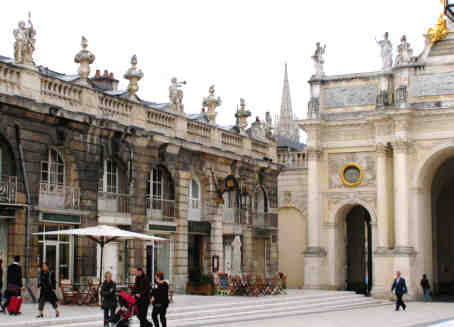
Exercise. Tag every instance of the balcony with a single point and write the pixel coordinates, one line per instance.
(62, 197)
(8, 190)
(160, 209)
(113, 203)
(265, 220)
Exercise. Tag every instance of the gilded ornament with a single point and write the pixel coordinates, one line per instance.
(439, 31)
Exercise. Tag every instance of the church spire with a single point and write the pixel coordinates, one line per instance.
(287, 126)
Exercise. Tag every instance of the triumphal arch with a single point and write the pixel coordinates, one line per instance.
(373, 191)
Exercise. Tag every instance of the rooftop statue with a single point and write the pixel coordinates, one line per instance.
(386, 52)
(25, 42)
(319, 60)
(404, 52)
(176, 94)
(134, 75)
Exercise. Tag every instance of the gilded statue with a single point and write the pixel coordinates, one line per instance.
(439, 31)
(24, 46)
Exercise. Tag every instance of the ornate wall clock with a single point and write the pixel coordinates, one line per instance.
(352, 174)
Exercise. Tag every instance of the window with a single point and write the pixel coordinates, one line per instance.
(110, 181)
(194, 195)
(53, 170)
(156, 183)
(260, 204)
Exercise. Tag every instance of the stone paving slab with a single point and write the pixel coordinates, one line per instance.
(418, 314)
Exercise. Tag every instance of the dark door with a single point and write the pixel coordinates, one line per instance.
(359, 252)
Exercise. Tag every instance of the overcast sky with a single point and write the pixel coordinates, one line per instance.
(239, 45)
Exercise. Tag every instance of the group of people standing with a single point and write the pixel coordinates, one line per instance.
(399, 287)
(158, 294)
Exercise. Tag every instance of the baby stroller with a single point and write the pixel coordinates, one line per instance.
(127, 309)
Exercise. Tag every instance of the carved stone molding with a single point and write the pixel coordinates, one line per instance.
(315, 251)
(401, 146)
(313, 154)
(365, 160)
(404, 251)
(367, 199)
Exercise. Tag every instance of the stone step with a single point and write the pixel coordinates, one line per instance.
(234, 311)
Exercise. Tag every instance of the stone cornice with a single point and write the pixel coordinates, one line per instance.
(401, 146)
(313, 154)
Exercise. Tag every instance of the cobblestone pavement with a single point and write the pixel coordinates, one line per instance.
(417, 314)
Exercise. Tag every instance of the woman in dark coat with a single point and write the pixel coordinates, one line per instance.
(48, 284)
(109, 300)
(142, 293)
(160, 300)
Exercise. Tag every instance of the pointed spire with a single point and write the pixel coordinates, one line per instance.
(286, 126)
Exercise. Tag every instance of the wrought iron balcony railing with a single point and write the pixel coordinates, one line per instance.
(53, 196)
(114, 202)
(160, 209)
(8, 190)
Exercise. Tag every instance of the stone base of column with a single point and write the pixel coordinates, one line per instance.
(382, 277)
(313, 267)
(403, 261)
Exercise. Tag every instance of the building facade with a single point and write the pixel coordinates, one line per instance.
(75, 151)
(371, 193)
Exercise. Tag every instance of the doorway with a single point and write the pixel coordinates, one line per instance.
(359, 251)
(159, 260)
(195, 255)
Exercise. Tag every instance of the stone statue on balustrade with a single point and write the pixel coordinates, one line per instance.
(404, 52)
(268, 125)
(176, 95)
(319, 60)
(24, 46)
(386, 52)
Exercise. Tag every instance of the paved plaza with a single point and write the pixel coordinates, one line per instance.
(298, 308)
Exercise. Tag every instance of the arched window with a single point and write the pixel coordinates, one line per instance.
(53, 170)
(160, 199)
(194, 195)
(109, 180)
(261, 203)
(52, 191)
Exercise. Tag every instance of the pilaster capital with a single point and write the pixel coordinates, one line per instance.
(313, 154)
(401, 146)
(382, 150)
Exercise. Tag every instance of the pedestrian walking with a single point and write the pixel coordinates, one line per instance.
(14, 284)
(141, 291)
(48, 284)
(109, 300)
(160, 300)
(425, 287)
(400, 288)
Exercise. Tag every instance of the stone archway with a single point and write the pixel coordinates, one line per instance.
(433, 190)
(352, 241)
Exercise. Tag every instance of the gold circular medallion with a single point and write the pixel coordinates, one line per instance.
(352, 174)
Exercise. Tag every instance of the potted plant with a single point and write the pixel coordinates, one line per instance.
(199, 283)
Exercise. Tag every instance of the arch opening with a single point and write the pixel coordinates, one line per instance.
(358, 233)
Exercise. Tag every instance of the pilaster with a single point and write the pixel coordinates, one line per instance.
(183, 178)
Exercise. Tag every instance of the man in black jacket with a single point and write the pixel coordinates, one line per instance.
(14, 284)
(400, 288)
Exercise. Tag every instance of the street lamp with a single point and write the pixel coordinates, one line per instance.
(448, 7)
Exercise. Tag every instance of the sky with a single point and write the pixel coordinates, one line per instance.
(240, 46)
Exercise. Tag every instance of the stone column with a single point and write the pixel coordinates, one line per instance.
(401, 211)
(314, 254)
(183, 178)
(382, 199)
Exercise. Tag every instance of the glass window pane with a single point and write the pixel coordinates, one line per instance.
(195, 190)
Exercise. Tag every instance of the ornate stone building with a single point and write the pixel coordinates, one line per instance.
(372, 192)
(77, 151)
